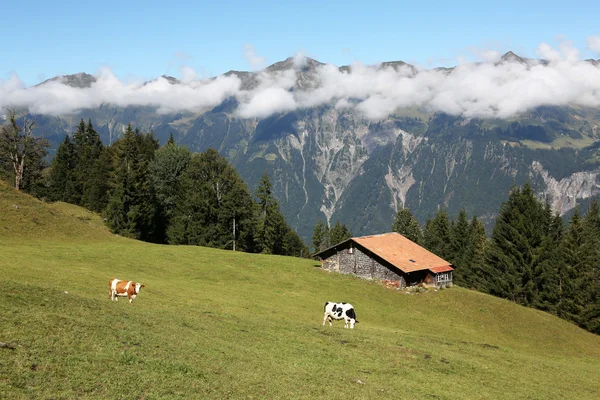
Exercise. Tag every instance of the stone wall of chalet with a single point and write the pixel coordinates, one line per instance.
(356, 262)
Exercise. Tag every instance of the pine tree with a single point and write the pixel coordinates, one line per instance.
(270, 227)
(294, 246)
(339, 233)
(166, 172)
(318, 236)
(78, 140)
(548, 266)
(436, 235)
(131, 210)
(589, 273)
(99, 180)
(520, 228)
(88, 150)
(458, 246)
(474, 273)
(571, 304)
(62, 177)
(406, 224)
(171, 140)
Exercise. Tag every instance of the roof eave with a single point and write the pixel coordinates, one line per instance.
(332, 247)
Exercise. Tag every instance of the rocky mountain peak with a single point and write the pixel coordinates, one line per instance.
(299, 63)
(512, 57)
(79, 80)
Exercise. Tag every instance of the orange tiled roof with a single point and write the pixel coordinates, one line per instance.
(399, 251)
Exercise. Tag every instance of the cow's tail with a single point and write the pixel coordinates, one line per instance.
(325, 307)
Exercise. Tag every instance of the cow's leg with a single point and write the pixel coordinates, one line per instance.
(330, 321)
(346, 323)
(324, 319)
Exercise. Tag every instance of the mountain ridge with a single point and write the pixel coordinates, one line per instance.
(303, 64)
(329, 162)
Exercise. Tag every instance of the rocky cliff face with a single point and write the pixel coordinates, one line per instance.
(563, 194)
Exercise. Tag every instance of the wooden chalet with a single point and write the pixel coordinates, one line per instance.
(388, 256)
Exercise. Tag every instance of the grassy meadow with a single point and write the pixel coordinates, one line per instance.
(213, 324)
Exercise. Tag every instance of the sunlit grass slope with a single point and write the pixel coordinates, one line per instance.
(218, 324)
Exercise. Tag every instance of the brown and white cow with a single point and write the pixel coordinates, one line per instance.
(119, 288)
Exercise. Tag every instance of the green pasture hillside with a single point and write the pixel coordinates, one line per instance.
(214, 324)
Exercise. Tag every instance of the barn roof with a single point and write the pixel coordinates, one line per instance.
(401, 252)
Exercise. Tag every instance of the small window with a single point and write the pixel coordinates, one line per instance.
(350, 250)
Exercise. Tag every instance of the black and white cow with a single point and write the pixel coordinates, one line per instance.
(338, 311)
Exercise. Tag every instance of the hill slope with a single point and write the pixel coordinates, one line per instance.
(219, 324)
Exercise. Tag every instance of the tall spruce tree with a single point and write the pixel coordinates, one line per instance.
(436, 235)
(89, 149)
(99, 180)
(270, 225)
(78, 140)
(131, 210)
(318, 236)
(62, 179)
(407, 225)
(458, 246)
(166, 172)
(518, 233)
(571, 303)
(589, 274)
(548, 265)
(473, 271)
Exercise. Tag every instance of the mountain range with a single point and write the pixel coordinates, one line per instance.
(333, 163)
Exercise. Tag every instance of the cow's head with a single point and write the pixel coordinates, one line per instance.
(351, 317)
(138, 287)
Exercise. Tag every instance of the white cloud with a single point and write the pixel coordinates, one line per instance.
(593, 43)
(267, 102)
(55, 98)
(299, 60)
(188, 74)
(255, 61)
(483, 89)
(272, 95)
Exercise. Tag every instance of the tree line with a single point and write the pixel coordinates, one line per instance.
(159, 194)
(532, 257)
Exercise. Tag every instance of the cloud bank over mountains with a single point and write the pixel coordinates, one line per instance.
(494, 88)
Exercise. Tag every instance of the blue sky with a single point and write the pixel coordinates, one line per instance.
(144, 39)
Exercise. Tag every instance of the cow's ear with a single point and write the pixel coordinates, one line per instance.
(142, 286)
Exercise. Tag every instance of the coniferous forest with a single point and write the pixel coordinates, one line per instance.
(170, 195)
(532, 257)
